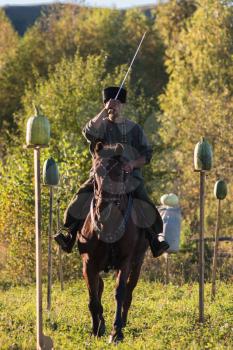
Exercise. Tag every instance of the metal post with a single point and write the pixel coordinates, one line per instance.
(59, 249)
(39, 320)
(214, 269)
(201, 248)
(49, 289)
(43, 342)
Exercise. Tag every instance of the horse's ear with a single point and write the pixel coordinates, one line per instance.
(119, 149)
(98, 147)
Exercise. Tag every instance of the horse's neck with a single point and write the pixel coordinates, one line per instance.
(123, 201)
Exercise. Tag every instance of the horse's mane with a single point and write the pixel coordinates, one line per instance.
(109, 151)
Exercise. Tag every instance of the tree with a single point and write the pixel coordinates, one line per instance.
(65, 29)
(172, 17)
(8, 39)
(41, 48)
(198, 101)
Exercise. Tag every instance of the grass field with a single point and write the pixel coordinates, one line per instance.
(161, 317)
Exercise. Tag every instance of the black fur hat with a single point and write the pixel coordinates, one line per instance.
(111, 92)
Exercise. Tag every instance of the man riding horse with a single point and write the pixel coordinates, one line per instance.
(110, 128)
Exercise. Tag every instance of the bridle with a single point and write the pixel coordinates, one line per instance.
(98, 194)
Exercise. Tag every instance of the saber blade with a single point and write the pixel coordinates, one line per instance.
(135, 55)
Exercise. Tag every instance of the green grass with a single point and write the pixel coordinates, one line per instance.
(161, 317)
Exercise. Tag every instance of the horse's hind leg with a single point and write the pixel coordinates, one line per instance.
(117, 334)
(92, 280)
(131, 284)
(101, 330)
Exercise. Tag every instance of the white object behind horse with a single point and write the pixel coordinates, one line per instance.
(170, 200)
(171, 217)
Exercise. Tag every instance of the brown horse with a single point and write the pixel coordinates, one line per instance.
(111, 239)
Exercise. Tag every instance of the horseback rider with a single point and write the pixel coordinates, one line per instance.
(110, 127)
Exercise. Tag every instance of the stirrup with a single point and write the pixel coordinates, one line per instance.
(61, 232)
(64, 239)
(159, 248)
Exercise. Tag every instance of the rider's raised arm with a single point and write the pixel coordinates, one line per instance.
(143, 146)
(94, 130)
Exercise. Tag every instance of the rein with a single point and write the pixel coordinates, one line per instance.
(98, 193)
(111, 200)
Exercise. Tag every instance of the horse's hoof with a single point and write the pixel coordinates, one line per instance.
(124, 324)
(116, 338)
(101, 330)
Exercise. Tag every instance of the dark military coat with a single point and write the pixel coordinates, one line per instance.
(127, 132)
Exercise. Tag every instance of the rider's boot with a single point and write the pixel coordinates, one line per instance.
(157, 243)
(66, 237)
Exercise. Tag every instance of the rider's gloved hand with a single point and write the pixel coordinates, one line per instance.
(128, 167)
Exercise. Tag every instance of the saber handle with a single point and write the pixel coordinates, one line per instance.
(135, 55)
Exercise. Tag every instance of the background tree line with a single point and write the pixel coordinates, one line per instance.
(180, 88)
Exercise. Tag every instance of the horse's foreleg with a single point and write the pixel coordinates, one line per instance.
(119, 297)
(101, 287)
(92, 280)
(131, 284)
(101, 318)
(117, 334)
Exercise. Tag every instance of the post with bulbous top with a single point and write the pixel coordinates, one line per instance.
(37, 137)
(220, 192)
(203, 158)
(61, 278)
(50, 179)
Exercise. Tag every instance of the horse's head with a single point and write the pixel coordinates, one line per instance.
(109, 174)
